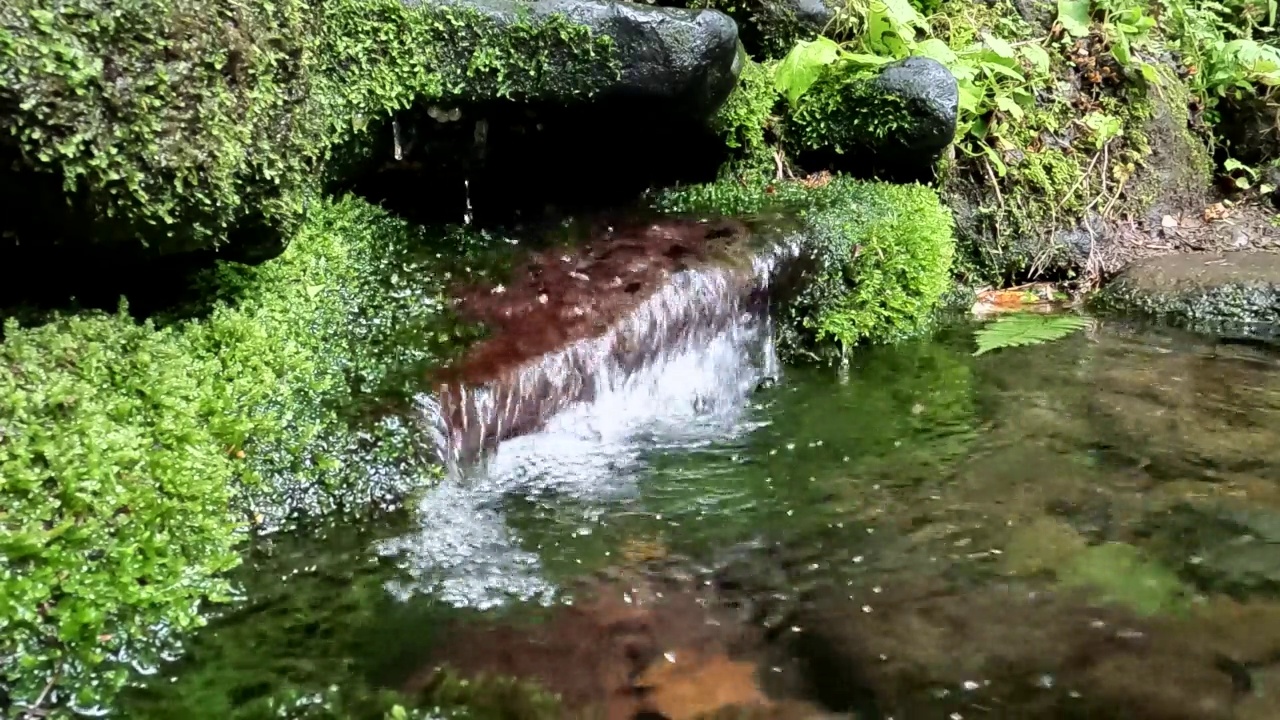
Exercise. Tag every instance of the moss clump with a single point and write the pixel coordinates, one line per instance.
(131, 456)
(176, 123)
(745, 118)
(846, 111)
(882, 255)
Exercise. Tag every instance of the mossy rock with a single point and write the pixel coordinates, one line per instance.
(166, 126)
(133, 456)
(1081, 190)
(1234, 292)
(894, 123)
(770, 28)
(881, 255)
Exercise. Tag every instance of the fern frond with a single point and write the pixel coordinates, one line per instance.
(1026, 329)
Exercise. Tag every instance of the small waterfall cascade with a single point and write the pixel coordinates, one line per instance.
(672, 367)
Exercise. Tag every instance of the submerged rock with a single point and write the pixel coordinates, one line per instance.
(896, 124)
(1214, 292)
(688, 58)
(923, 650)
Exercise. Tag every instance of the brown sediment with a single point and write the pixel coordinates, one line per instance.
(625, 650)
(619, 299)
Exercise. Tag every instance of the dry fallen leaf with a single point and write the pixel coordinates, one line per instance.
(686, 684)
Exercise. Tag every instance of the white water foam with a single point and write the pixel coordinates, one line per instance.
(706, 346)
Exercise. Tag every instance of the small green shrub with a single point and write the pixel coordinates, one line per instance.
(883, 254)
(131, 456)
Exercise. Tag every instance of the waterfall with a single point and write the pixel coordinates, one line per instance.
(675, 371)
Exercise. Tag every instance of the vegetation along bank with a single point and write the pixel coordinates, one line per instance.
(244, 148)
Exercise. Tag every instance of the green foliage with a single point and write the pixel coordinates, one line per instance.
(174, 122)
(745, 117)
(993, 76)
(113, 481)
(130, 456)
(883, 254)
(1020, 329)
(1218, 46)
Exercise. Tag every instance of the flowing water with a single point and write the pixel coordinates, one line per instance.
(1088, 528)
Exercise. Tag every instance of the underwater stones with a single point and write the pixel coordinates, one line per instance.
(1215, 292)
(1224, 547)
(1188, 416)
(925, 650)
(687, 59)
(895, 125)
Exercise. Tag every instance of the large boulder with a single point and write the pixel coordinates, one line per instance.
(1213, 292)
(686, 58)
(896, 124)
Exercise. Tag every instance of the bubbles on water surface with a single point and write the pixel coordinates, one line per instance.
(693, 391)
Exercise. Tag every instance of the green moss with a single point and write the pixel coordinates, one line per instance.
(883, 254)
(845, 111)
(769, 28)
(747, 115)
(131, 456)
(176, 122)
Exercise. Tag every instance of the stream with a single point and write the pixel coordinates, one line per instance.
(1085, 528)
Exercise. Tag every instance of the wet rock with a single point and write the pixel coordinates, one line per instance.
(613, 300)
(1233, 549)
(1179, 413)
(931, 97)
(685, 58)
(1214, 292)
(770, 28)
(895, 125)
(924, 650)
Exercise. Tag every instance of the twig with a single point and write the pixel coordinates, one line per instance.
(995, 184)
(1088, 171)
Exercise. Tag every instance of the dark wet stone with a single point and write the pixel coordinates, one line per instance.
(932, 99)
(925, 650)
(1188, 412)
(1214, 292)
(688, 58)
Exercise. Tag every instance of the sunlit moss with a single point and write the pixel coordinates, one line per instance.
(176, 123)
(883, 254)
(131, 456)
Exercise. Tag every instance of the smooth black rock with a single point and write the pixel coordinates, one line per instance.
(685, 58)
(932, 98)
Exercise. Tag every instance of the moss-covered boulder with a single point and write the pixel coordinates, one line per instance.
(1212, 292)
(133, 456)
(156, 127)
(880, 255)
(770, 28)
(893, 123)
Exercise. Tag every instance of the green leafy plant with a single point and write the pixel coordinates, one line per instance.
(882, 252)
(993, 75)
(1020, 329)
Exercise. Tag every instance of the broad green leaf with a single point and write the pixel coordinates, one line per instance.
(1037, 57)
(1007, 105)
(936, 49)
(1073, 16)
(802, 67)
(1120, 49)
(1000, 47)
(866, 59)
(1103, 126)
(1149, 73)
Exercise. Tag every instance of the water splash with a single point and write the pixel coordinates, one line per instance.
(576, 423)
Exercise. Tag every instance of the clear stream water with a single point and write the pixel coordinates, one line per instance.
(1138, 465)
